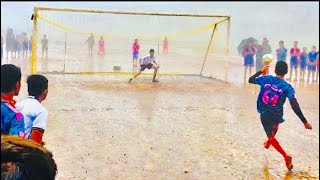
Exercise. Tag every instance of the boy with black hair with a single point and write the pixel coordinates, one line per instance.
(148, 62)
(281, 52)
(11, 119)
(273, 93)
(35, 114)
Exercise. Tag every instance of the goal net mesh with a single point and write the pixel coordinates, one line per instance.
(195, 45)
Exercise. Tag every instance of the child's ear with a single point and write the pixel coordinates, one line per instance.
(18, 85)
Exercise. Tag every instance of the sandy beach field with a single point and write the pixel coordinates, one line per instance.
(185, 127)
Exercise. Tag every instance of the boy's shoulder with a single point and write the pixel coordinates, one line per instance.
(30, 102)
(6, 106)
(264, 79)
(288, 85)
(8, 111)
(274, 80)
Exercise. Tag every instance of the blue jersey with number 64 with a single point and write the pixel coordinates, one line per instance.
(273, 94)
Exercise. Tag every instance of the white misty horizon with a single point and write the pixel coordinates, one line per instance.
(288, 21)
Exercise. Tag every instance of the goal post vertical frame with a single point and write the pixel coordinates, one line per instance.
(227, 52)
(227, 44)
(208, 48)
(34, 42)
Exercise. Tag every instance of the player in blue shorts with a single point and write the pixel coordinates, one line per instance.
(248, 53)
(149, 63)
(281, 52)
(294, 52)
(303, 63)
(25, 47)
(273, 93)
(135, 53)
(312, 63)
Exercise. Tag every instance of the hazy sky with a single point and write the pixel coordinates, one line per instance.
(286, 21)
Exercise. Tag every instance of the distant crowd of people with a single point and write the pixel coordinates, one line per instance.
(299, 59)
(135, 47)
(19, 44)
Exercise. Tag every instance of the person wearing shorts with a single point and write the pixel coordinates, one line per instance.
(312, 63)
(148, 62)
(303, 63)
(248, 53)
(272, 96)
(294, 52)
(281, 52)
(135, 53)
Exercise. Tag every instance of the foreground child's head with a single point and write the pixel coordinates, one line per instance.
(281, 68)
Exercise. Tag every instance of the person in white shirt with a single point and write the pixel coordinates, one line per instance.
(150, 63)
(34, 113)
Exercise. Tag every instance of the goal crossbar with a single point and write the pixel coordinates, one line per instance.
(127, 12)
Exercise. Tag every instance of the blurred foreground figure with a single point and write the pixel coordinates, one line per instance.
(23, 159)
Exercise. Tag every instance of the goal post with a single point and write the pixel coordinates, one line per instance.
(194, 42)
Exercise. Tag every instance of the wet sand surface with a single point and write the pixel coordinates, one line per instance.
(101, 127)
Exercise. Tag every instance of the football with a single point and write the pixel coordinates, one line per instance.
(267, 58)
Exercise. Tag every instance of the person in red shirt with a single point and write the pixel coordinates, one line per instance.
(294, 52)
(165, 45)
(135, 53)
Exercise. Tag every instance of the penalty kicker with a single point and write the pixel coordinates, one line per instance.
(149, 63)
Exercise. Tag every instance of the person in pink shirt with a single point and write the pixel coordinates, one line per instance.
(135, 52)
(165, 45)
(101, 46)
